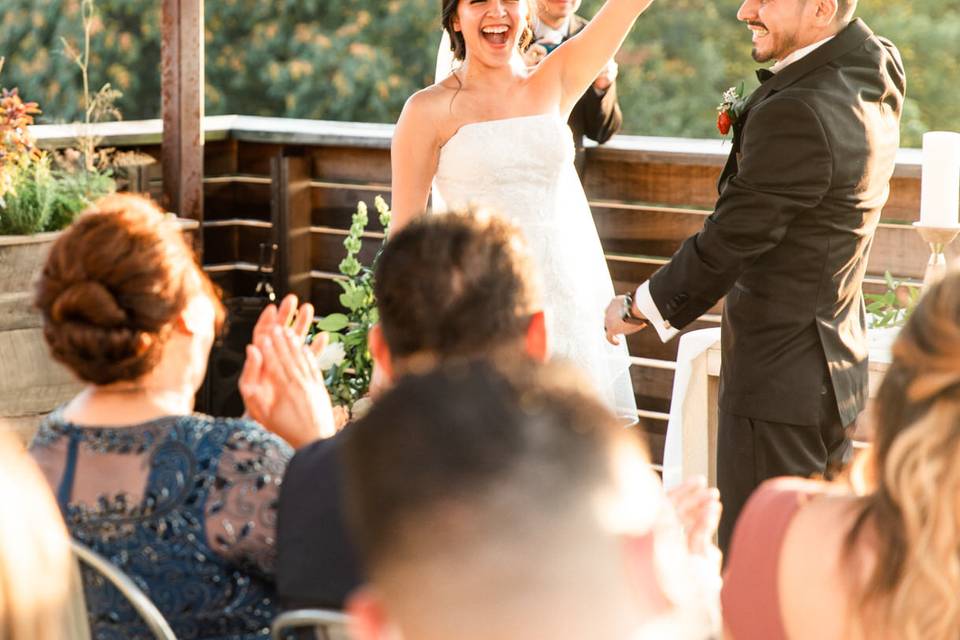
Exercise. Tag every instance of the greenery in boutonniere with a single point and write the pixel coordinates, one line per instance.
(346, 362)
(893, 307)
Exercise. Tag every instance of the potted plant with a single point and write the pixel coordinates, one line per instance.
(40, 193)
(887, 312)
(346, 362)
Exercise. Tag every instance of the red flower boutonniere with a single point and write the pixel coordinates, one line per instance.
(730, 109)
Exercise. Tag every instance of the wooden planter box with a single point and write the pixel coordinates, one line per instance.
(31, 382)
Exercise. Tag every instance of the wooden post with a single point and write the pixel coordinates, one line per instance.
(290, 210)
(182, 77)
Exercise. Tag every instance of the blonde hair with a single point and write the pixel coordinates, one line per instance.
(39, 581)
(913, 512)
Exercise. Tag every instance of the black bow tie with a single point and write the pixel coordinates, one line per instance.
(764, 74)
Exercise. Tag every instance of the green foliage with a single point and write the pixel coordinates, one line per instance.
(35, 196)
(893, 307)
(360, 59)
(44, 198)
(28, 207)
(349, 373)
(17, 146)
(75, 191)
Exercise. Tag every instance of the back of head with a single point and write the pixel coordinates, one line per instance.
(489, 493)
(111, 287)
(455, 285)
(35, 559)
(914, 510)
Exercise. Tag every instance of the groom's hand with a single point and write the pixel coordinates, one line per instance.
(615, 324)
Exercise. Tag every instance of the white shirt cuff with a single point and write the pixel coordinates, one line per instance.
(648, 308)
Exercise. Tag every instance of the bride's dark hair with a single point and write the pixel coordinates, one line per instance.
(458, 45)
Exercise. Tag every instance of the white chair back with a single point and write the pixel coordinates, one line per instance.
(327, 625)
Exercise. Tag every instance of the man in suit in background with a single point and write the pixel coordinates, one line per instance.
(597, 115)
(801, 194)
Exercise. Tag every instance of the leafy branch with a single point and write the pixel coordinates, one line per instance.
(99, 106)
(893, 307)
(347, 361)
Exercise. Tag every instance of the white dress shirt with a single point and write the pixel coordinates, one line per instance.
(642, 298)
(547, 33)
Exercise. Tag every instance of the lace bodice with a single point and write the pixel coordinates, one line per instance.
(186, 506)
(522, 168)
(508, 164)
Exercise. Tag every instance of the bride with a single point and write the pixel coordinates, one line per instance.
(495, 133)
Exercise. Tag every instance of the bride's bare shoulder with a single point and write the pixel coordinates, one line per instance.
(433, 101)
(427, 114)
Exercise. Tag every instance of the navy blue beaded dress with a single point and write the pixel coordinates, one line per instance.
(184, 505)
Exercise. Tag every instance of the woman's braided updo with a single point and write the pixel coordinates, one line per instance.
(113, 285)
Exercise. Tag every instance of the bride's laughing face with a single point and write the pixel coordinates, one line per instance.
(492, 29)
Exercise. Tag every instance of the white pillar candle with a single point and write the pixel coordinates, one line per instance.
(940, 185)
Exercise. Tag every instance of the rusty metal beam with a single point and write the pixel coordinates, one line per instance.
(290, 212)
(182, 76)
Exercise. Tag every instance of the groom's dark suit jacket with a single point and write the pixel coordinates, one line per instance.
(800, 199)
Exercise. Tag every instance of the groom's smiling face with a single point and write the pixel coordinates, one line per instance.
(779, 27)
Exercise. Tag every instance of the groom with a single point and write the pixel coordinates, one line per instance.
(800, 197)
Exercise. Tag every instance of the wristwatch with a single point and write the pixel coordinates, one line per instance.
(627, 314)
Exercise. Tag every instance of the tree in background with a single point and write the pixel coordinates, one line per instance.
(360, 59)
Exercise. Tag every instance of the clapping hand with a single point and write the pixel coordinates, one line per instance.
(698, 510)
(281, 385)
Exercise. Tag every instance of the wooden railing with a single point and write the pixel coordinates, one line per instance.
(295, 182)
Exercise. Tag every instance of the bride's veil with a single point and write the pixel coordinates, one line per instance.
(445, 62)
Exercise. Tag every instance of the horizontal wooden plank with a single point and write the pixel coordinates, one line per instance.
(659, 231)
(346, 164)
(236, 198)
(236, 242)
(333, 200)
(33, 382)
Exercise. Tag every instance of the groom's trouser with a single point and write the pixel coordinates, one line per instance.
(750, 451)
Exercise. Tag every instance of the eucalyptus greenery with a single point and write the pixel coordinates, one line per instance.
(347, 363)
(893, 307)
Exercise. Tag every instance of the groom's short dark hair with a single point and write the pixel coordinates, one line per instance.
(455, 285)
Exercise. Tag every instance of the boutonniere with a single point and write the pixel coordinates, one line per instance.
(730, 108)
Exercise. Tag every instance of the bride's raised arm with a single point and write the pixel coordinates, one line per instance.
(579, 60)
(414, 153)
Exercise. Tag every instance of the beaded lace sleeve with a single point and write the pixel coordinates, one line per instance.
(241, 510)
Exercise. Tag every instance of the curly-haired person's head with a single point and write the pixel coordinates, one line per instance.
(456, 285)
(115, 286)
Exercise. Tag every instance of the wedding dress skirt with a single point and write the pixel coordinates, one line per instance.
(522, 168)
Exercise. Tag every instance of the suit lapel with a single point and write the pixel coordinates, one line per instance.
(576, 26)
(850, 38)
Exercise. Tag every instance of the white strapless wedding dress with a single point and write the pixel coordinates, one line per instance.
(523, 169)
